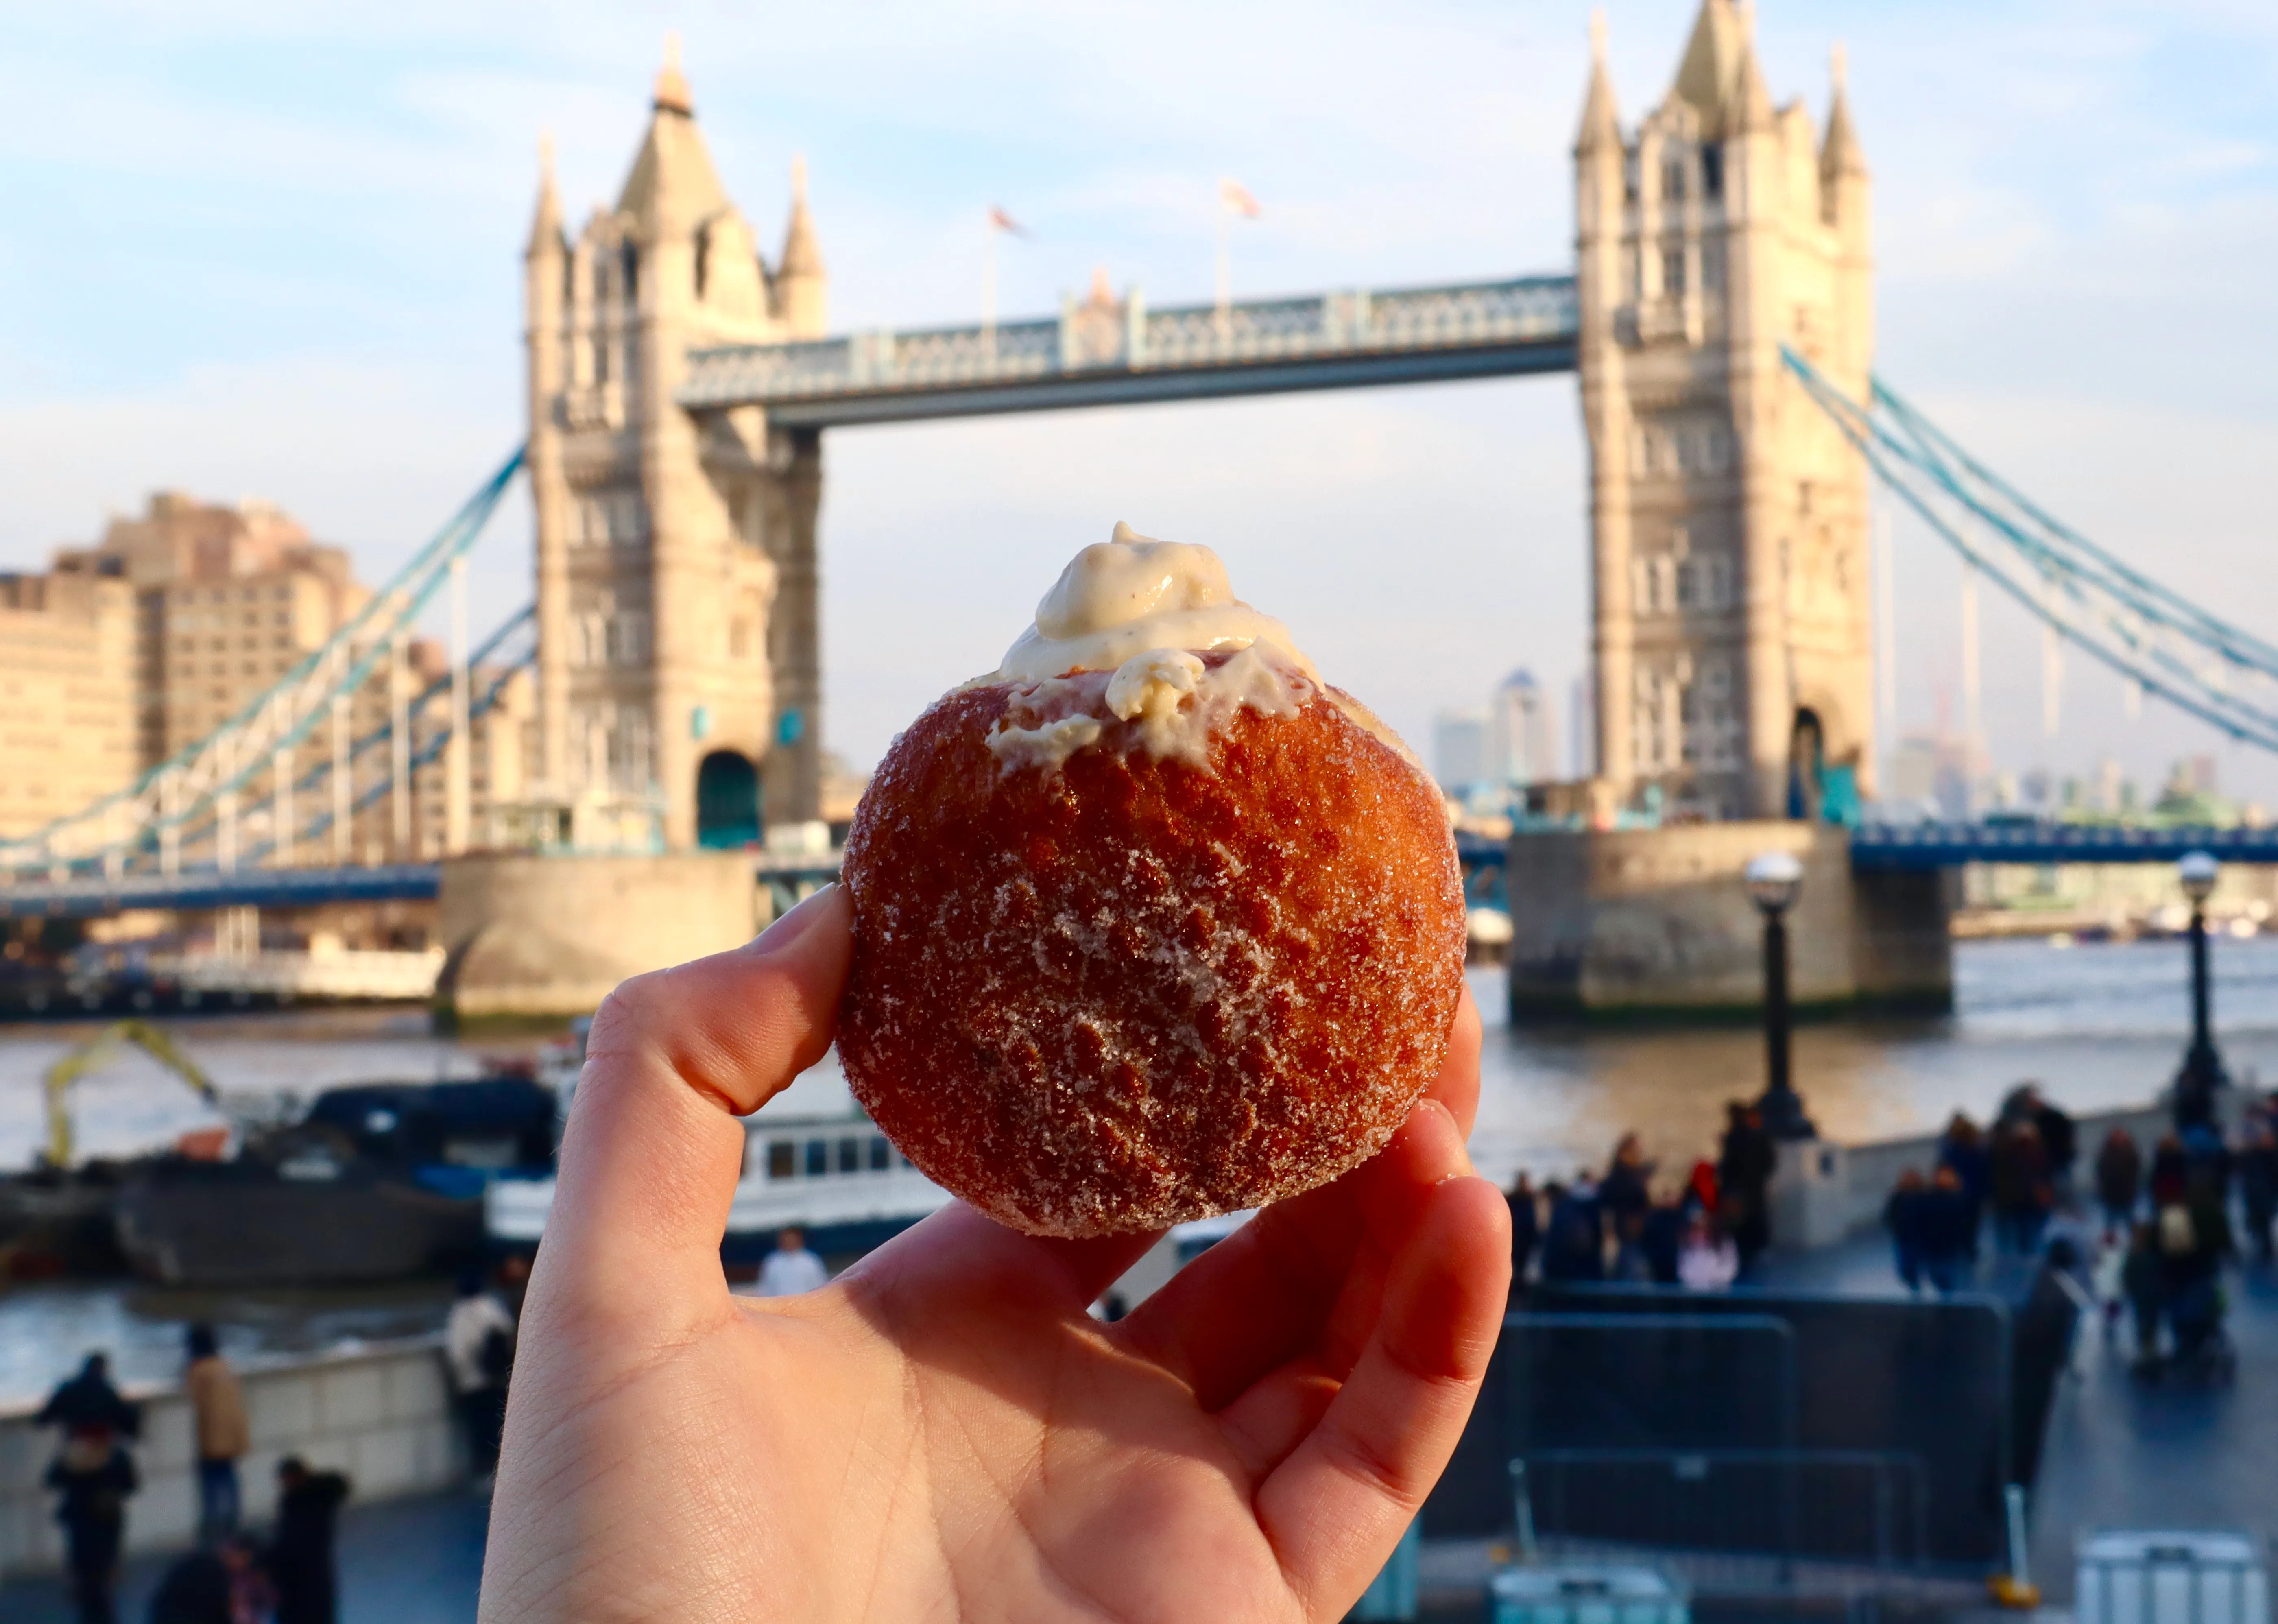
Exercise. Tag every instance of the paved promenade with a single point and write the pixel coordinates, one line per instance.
(2121, 1453)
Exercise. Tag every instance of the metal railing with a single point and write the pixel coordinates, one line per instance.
(1862, 1507)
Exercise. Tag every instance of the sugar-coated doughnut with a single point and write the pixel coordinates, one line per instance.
(1149, 924)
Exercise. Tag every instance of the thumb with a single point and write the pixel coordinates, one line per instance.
(651, 1153)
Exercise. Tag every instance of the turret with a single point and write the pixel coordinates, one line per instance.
(801, 283)
(545, 263)
(1842, 166)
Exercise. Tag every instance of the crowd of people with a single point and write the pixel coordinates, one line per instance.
(230, 1578)
(286, 1576)
(2148, 1237)
(1703, 1232)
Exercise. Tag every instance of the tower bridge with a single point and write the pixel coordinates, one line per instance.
(1718, 316)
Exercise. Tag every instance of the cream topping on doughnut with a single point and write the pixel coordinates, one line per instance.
(1147, 611)
(1121, 598)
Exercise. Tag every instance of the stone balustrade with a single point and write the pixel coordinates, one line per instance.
(381, 1415)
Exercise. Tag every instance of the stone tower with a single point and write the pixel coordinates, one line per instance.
(1728, 517)
(679, 671)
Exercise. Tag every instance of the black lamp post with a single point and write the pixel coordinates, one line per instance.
(2202, 1070)
(1774, 880)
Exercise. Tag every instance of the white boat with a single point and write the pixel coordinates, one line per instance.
(812, 1160)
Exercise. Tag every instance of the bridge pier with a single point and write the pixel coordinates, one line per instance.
(1656, 921)
(531, 938)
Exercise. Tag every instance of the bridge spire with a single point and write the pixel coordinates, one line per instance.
(1838, 151)
(546, 228)
(800, 281)
(1602, 128)
(1705, 75)
(672, 93)
(1751, 108)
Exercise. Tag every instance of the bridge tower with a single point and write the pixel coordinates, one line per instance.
(1729, 520)
(679, 670)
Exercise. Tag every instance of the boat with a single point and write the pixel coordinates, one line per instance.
(830, 1174)
(377, 1181)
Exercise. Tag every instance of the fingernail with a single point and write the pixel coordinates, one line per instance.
(786, 930)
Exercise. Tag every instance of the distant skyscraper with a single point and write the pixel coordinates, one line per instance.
(1522, 735)
(1582, 718)
(1459, 748)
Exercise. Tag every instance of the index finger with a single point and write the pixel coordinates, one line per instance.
(653, 1152)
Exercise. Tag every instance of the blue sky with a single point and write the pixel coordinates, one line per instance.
(257, 248)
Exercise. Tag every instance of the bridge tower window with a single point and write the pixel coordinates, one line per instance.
(727, 801)
(1672, 180)
(1712, 171)
(1673, 272)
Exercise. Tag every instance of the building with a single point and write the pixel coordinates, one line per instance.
(1522, 734)
(1731, 629)
(215, 605)
(68, 695)
(679, 661)
(229, 599)
(1459, 748)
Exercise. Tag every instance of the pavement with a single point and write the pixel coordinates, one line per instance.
(2120, 1453)
(408, 1561)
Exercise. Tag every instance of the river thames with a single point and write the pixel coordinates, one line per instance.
(2098, 1025)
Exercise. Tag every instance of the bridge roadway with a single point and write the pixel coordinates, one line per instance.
(1875, 849)
(197, 891)
(1124, 354)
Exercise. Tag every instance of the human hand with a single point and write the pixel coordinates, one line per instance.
(943, 1432)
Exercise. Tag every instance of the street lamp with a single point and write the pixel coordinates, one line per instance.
(2202, 1073)
(1774, 879)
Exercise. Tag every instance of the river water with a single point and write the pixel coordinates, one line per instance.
(2098, 1025)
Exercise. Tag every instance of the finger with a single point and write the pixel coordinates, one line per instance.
(1266, 1293)
(1335, 1509)
(651, 1153)
(1457, 1085)
(1272, 1418)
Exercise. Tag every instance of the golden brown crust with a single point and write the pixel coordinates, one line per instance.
(1135, 992)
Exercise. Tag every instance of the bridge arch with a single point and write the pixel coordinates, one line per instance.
(728, 803)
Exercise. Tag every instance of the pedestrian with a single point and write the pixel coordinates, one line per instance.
(2060, 1138)
(2141, 1283)
(1663, 1239)
(88, 1400)
(479, 1347)
(1526, 1228)
(94, 1476)
(1701, 1187)
(218, 1419)
(1744, 1176)
(1945, 1232)
(300, 1553)
(2022, 1193)
(1708, 1260)
(1573, 1245)
(2171, 1168)
(1962, 1147)
(2118, 1179)
(1902, 1217)
(221, 1586)
(791, 1268)
(2258, 1183)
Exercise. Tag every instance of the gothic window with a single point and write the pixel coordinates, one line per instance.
(1673, 272)
(1672, 180)
(632, 274)
(1630, 176)
(600, 358)
(1712, 171)
(1712, 266)
(703, 255)
(1634, 272)
(1688, 587)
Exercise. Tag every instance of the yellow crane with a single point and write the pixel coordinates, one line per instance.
(96, 1051)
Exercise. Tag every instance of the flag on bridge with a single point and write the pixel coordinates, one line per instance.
(1234, 198)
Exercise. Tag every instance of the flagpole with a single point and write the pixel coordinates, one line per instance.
(989, 290)
(1224, 270)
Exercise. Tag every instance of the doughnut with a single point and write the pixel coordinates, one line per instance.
(1150, 923)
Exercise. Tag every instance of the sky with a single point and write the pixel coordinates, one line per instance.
(264, 248)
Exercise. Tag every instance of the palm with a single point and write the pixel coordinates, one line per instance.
(943, 1432)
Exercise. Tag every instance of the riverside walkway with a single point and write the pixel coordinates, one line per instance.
(2119, 1453)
